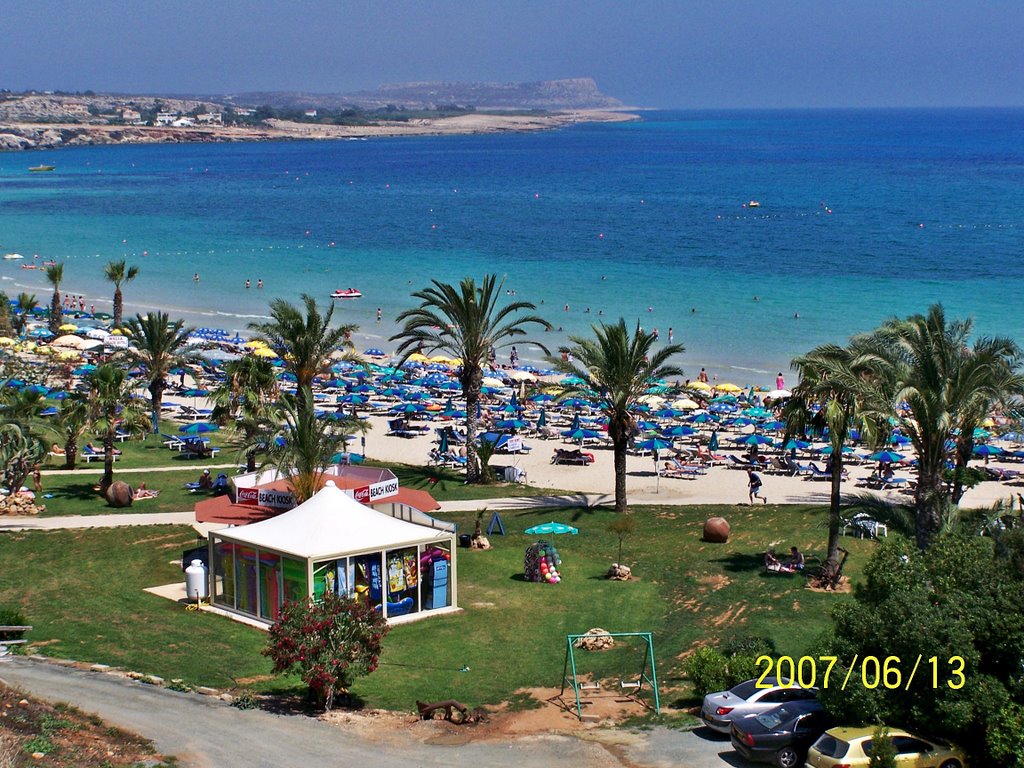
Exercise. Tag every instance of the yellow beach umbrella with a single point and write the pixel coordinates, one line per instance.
(255, 344)
(701, 386)
(7, 341)
(727, 387)
(117, 332)
(68, 327)
(69, 354)
(264, 352)
(416, 357)
(685, 404)
(989, 422)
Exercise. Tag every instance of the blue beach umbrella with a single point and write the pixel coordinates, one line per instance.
(713, 442)
(541, 397)
(703, 418)
(796, 445)
(195, 393)
(774, 426)
(988, 450)
(827, 450)
(443, 447)
(575, 402)
(887, 457)
(678, 431)
(198, 428)
(408, 408)
(374, 352)
(351, 399)
(552, 528)
(579, 434)
(754, 439)
(899, 439)
(542, 420)
(511, 424)
(653, 445)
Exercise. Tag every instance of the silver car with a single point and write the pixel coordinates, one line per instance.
(720, 709)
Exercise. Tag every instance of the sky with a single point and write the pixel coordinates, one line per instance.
(648, 53)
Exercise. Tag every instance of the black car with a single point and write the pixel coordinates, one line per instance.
(781, 735)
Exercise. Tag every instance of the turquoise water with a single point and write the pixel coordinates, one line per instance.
(925, 206)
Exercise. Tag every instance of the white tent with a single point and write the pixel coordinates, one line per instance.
(332, 543)
(329, 524)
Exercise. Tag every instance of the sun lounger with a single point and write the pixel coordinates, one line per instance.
(400, 428)
(820, 474)
(572, 457)
(88, 456)
(862, 525)
(682, 471)
(735, 463)
(172, 442)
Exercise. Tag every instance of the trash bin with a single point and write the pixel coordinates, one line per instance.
(465, 539)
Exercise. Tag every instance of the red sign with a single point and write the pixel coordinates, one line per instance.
(265, 497)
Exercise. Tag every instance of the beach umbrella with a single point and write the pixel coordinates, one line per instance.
(454, 414)
(756, 413)
(542, 420)
(899, 439)
(668, 413)
(988, 450)
(550, 529)
(198, 428)
(69, 327)
(685, 404)
(511, 424)
(774, 426)
(887, 457)
(713, 442)
(796, 445)
(36, 388)
(580, 434)
(541, 397)
(653, 444)
(407, 408)
(362, 389)
(678, 431)
(703, 418)
(721, 408)
(7, 341)
(450, 386)
(724, 399)
(374, 352)
(647, 426)
(351, 399)
(728, 387)
(264, 352)
(741, 421)
(754, 439)
(827, 450)
(56, 394)
(700, 386)
(51, 411)
(776, 394)
(981, 434)
(575, 402)
(195, 393)
(1012, 437)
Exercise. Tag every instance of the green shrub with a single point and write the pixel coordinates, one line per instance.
(883, 753)
(245, 700)
(1005, 737)
(708, 670)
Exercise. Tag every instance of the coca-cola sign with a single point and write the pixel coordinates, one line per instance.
(265, 497)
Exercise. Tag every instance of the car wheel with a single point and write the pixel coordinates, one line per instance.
(787, 758)
(951, 764)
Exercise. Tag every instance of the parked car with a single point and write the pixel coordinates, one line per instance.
(722, 708)
(851, 747)
(782, 734)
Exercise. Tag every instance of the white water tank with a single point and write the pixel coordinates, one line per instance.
(195, 580)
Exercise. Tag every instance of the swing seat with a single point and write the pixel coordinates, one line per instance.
(629, 684)
(590, 686)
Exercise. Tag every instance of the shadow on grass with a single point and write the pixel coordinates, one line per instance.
(741, 562)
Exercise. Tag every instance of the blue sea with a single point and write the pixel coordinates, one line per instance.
(863, 215)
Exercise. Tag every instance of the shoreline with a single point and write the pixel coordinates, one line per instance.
(16, 136)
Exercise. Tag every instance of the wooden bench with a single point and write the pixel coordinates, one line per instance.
(4, 651)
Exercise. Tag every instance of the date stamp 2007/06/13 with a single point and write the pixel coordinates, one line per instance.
(890, 672)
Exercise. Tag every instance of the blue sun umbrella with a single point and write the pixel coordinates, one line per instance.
(678, 431)
(550, 529)
(827, 450)
(575, 402)
(198, 428)
(443, 447)
(713, 442)
(988, 450)
(408, 408)
(724, 399)
(56, 394)
(541, 397)
(454, 414)
(195, 393)
(756, 413)
(797, 445)
(653, 445)
(703, 418)
(374, 352)
(899, 439)
(754, 439)
(580, 434)
(450, 386)
(511, 424)
(51, 411)
(351, 399)
(669, 413)
(774, 426)
(886, 457)
(741, 421)
(39, 388)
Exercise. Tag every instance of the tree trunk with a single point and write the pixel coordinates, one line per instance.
(108, 461)
(56, 313)
(835, 515)
(928, 501)
(619, 444)
(472, 381)
(156, 391)
(70, 453)
(964, 447)
(250, 461)
(118, 307)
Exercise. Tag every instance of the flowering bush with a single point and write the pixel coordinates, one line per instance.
(329, 642)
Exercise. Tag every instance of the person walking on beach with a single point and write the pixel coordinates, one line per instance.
(754, 487)
(780, 383)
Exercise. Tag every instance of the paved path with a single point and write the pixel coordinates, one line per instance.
(95, 521)
(118, 471)
(207, 733)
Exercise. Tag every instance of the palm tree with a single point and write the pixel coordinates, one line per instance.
(55, 275)
(466, 322)
(6, 326)
(69, 424)
(159, 345)
(302, 446)
(26, 304)
(119, 272)
(246, 397)
(944, 384)
(112, 407)
(307, 342)
(838, 380)
(619, 366)
(20, 450)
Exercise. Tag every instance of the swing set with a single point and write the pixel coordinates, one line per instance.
(631, 687)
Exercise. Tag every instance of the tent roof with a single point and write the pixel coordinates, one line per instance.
(330, 524)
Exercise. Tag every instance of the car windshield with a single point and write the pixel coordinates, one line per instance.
(745, 690)
(829, 746)
(773, 718)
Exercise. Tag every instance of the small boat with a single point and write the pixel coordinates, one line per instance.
(41, 168)
(347, 293)
(753, 204)
(29, 266)
(12, 256)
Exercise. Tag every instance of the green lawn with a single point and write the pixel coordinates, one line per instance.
(73, 494)
(82, 590)
(151, 452)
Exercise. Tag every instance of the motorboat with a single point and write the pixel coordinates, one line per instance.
(753, 204)
(41, 168)
(347, 293)
(12, 256)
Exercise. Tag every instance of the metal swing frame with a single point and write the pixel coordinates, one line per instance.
(636, 686)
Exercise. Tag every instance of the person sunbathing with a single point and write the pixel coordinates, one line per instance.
(142, 492)
(56, 449)
(773, 565)
(795, 561)
(90, 448)
(205, 480)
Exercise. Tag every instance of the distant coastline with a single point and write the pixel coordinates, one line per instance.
(15, 136)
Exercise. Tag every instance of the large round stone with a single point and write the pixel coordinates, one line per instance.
(119, 494)
(716, 530)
